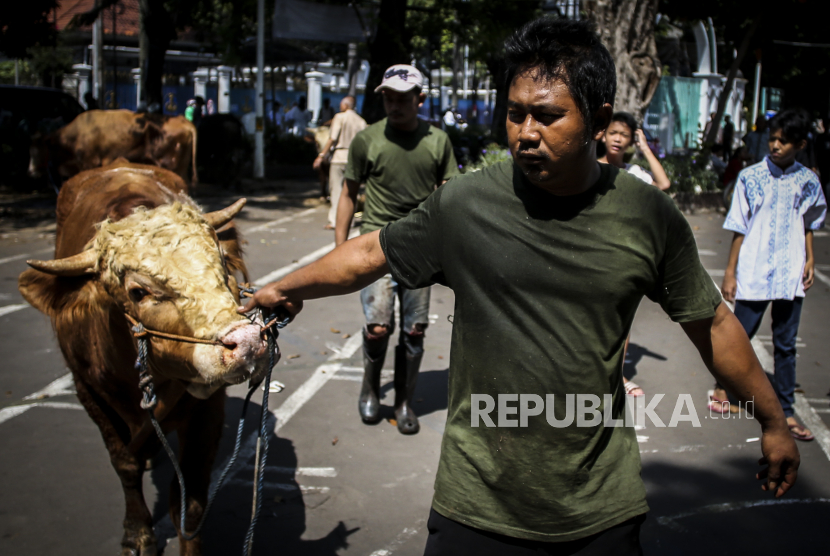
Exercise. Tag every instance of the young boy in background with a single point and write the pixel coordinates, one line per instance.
(777, 205)
(620, 135)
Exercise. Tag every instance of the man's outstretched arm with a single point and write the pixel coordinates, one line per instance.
(350, 267)
(727, 353)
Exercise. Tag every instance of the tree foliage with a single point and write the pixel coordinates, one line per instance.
(24, 25)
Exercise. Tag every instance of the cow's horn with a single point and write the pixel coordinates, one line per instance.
(219, 218)
(76, 265)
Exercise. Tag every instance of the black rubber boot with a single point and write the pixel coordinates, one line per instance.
(374, 354)
(408, 357)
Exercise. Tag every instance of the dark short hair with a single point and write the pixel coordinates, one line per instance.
(794, 123)
(569, 50)
(625, 118)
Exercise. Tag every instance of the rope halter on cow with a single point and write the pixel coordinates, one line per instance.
(270, 329)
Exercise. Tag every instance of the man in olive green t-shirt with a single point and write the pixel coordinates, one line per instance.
(401, 159)
(549, 255)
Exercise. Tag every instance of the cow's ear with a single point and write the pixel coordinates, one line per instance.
(231, 242)
(42, 291)
(48, 293)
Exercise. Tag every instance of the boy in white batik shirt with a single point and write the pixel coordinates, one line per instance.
(777, 205)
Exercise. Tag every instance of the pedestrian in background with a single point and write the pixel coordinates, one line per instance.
(298, 118)
(728, 136)
(344, 126)
(326, 113)
(757, 141)
(402, 160)
(777, 205)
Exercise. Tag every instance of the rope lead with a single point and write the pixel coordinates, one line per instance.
(271, 327)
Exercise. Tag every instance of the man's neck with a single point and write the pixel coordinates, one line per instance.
(569, 185)
(408, 127)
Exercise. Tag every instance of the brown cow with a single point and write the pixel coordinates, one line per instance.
(98, 137)
(131, 242)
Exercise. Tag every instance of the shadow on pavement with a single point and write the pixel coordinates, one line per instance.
(633, 357)
(430, 394)
(282, 519)
(697, 511)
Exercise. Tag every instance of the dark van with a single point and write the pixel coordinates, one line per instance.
(25, 111)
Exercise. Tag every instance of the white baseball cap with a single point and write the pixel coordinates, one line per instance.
(401, 78)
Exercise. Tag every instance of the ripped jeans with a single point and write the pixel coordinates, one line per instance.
(378, 301)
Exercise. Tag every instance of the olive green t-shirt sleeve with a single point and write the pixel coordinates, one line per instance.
(684, 288)
(356, 169)
(448, 161)
(413, 246)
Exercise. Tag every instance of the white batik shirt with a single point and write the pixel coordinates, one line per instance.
(773, 208)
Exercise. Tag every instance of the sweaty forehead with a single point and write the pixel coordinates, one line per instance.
(530, 88)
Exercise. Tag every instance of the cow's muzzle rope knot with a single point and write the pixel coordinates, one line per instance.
(271, 324)
(145, 380)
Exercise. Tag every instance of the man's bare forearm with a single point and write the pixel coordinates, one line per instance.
(727, 353)
(734, 252)
(350, 267)
(345, 211)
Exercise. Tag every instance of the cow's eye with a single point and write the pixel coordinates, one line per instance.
(137, 294)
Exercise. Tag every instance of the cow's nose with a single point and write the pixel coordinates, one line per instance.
(243, 343)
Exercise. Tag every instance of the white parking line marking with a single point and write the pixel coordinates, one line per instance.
(716, 273)
(12, 308)
(296, 471)
(25, 255)
(821, 276)
(278, 221)
(707, 252)
(308, 259)
(818, 400)
(351, 378)
(399, 541)
(10, 412)
(288, 487)
(59, 387)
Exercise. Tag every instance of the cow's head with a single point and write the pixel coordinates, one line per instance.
(165, 268)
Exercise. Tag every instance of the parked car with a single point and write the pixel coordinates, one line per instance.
(25, 111)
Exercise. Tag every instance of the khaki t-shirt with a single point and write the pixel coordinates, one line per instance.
(343, 129)
(546, 289)
(400, 169)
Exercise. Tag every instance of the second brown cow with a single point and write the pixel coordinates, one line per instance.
(99, 137)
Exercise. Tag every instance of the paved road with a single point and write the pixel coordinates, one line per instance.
(336, 486)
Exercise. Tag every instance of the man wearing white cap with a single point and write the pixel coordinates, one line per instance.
(401, 159)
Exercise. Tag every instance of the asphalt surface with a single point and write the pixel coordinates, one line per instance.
(337, 486)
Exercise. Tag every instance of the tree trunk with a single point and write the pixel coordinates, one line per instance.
(157, 30)
(390, 47)
(627, 31)
(712, 136)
